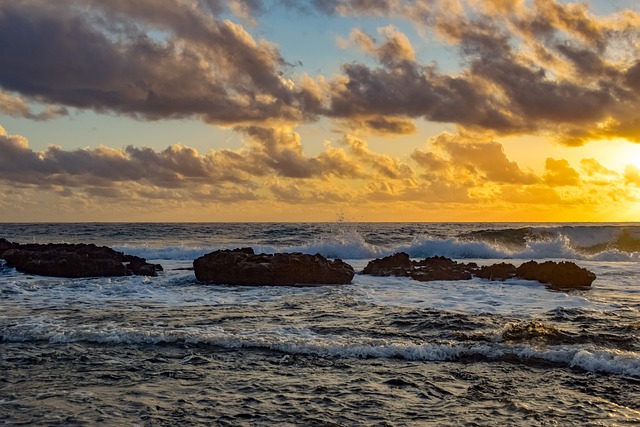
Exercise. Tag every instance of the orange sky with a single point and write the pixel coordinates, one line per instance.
(440, 110)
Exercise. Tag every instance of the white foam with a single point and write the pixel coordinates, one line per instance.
(513, 297)
(348, 244)
(305, 342)
(180, 253)
(550, 243)
(586, 236)
(423, 246)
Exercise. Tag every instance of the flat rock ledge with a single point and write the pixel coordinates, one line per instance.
(245, 267)
(555, 275)
(73, 260)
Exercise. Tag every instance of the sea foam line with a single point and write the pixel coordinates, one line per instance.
(304, 342)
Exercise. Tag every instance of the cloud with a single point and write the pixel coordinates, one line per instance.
(381, 125)
(175, 167)
(395, 48)
(281, 150)
(632, 175)
(560, 173)
(592, 167)
(178, 167)
(271, 172)
(384, 166)
(15, 106)
(548, 67)
(108, 58)
(545, 66)
(473, 157)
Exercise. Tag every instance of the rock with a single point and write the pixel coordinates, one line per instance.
(557, 275)
(244, 267)
(502, 271)
(140, 267)
(395, 265)
(5, 244)
(563, 275)
(73, 260)
(441, 268)
(434, 268)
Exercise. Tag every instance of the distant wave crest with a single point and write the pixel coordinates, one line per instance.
(596, 243)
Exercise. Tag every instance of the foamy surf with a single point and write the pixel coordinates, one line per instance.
(614, 244)
(307, 342)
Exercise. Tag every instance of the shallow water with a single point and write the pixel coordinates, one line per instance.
(382, 351)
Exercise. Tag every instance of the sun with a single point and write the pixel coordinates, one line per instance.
(630, 154)
(614, 154)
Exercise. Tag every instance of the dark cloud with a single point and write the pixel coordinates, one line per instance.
(547, 67)
(270, 152)
(632, 77)
(414, 91)
(586, 62)
(530, 93)
(550, 67)
(174, 167)
(390, 125)
(101, 55)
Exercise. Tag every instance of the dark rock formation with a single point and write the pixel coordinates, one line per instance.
(562, 275)
(395, 265)
(502, 271)
(73, 260)
(140, 267)
(441, 268)
(434, 268)
(244, 267)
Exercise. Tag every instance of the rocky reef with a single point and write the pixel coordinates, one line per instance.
(555, 275)
(244, 267)
(73, 260)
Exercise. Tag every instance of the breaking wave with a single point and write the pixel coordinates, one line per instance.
(305, 342)
(616, 244)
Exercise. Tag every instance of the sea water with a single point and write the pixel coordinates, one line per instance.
(167, 350)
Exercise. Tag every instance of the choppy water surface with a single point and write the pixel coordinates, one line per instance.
(382, 351)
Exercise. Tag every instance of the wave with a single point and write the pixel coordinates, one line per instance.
(305, 342)
(558, 247)
(179, 253)
(594, 243)
(354, 246)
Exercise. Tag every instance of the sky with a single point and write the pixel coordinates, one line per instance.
(319, 110)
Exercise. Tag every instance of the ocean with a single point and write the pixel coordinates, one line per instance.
(382, 351)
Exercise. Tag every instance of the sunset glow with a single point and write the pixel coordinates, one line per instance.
(394, 110)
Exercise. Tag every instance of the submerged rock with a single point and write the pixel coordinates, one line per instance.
(73, 260)
(538, 332)
(244, 267)
(557, 275)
